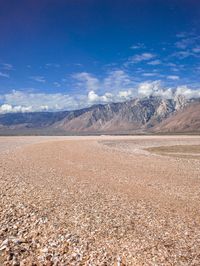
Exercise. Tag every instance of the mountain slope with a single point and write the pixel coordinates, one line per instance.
(131, 115)
(186, 120)
(138, 115)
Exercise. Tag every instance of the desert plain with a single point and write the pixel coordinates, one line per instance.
(102, 200)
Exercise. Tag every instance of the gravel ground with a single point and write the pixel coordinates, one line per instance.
(98, 201)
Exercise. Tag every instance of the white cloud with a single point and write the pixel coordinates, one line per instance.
(155, 62)
(4, 108)
(6, 66)
(117, 87)
(20, 101)
(173, 77)
(182, 54)
(137, 46)
(116, 80)
(175, 69)
(150, 74)
(187, 45)
(87, 81)
(4, 75)
(126, 94)
(38, 79)
(196, 49)
(94, 97)
(187, 40)
(141, 57)
(25, 101)
(170, 64)
(7, 108)
(156, 88)
(188, 92)
(184, 43)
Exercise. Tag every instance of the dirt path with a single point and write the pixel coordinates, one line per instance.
(98, 201)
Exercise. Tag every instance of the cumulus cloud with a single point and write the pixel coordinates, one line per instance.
(4, 108)
(126, 94)
(155, 88)
(20, 101)
(24, 101)
(7, 108)
(92, 96)
(95, 98)
(114, 82)
(188, 92)
(116, 86)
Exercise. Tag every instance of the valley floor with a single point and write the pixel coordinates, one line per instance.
(100, 200)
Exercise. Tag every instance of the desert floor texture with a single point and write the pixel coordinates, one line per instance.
(126, 200)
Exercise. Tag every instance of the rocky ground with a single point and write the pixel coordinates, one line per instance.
(98, 201)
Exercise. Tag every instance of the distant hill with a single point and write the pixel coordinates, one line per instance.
(142, 115)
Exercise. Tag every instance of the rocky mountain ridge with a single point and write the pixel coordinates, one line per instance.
(136, 115)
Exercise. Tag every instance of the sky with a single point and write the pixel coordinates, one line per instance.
(69, 54)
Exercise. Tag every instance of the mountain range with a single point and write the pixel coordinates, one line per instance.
(141, 115)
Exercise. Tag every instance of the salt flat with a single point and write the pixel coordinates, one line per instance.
(107, 200)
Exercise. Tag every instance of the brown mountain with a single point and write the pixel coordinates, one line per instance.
(132, 115)
(140, 115)
(186, 120)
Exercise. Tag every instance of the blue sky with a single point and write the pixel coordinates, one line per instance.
(57, 55)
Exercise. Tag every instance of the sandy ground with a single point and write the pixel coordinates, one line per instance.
(98, 201)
